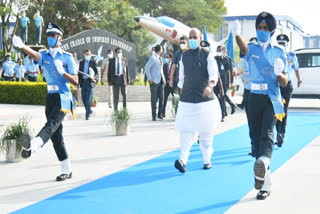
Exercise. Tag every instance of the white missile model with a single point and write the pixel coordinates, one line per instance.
(168, 28)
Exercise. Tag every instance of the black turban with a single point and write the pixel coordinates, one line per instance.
(269, 19)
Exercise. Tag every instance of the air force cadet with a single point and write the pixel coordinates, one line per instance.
(199, 110)
(267, 70)
(286, 92)
(59, 73)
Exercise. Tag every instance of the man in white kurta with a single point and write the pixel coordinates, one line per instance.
(199, 110)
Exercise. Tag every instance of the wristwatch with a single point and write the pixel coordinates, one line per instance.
(299, 82)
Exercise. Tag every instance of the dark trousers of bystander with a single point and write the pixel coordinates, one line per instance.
(167, 91)
(286, 93)
(119, 86)
(87, 95)
(156, 91)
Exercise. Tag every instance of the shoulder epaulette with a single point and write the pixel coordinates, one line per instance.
(42, 50)
(279, 46)
(67, 53)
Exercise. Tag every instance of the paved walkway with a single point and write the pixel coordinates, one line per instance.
(95, 152)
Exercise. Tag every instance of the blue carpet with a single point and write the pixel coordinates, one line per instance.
(156, 186)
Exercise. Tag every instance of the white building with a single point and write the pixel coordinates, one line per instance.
(285, 24)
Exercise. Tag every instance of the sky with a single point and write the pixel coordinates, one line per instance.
(304, 12)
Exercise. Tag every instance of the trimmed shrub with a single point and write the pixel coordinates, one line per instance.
(33, 93)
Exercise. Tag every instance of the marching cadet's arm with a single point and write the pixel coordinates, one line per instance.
(298, 77)
(242, 46)
(72, 78)
(17, 42)
(236, 30)
(278, 70)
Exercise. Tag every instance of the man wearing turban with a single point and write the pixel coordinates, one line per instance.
(267, 70)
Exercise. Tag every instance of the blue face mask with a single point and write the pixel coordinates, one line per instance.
(165, 60)
(87, 57)
(52, 42)
(193, 43)
(263, 36)
(9, 59)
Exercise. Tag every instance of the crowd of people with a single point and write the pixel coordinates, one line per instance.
(201, 80)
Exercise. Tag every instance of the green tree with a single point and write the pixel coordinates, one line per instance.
(117, 18)
(9, 14)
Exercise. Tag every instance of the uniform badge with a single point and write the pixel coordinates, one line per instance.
(49, 26)
(46, 62)
(281, 37)
(255, 56)
(264, 14)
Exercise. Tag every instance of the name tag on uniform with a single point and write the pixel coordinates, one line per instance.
(255, 56)
(222, 67)
(46, 62)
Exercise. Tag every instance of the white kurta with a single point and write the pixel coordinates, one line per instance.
(199, 117)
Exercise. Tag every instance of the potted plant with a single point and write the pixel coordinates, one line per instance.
(10, 143)
(175, 103)
(233, 90)
(120, 121)
(94, 101)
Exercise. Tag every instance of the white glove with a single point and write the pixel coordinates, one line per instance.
(278, 66)
(17, 41)
(236, 28)
(59, 65)
(91, 73)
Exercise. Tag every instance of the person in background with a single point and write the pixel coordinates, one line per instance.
(286, 92)
(243, 68)
(8, 68)
(38, 21)
(174, 72)
(19, 71)
(118, 77)
(32, 70)
(167, 89)
(154, 71)
(87, 80)
(105, 69)
(24, 21)
(231, 71)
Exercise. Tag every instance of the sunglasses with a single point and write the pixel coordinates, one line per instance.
(182, 43)
(193, 37)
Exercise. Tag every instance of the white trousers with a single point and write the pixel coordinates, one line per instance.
(186, 141)
(110, 95)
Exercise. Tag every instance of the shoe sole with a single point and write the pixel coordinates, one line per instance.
(25, 141)
(259, 173)
(178, 166)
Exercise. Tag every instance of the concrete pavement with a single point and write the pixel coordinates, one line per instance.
(95, 152)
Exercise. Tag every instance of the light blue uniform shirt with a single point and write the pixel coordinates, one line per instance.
(24, 21)
(271, 53)
(31, 67)
(293, 64)
(53, 77)
(8, 67)
(38, 21)
(19, 70)
(85, 69)
(246, 79)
